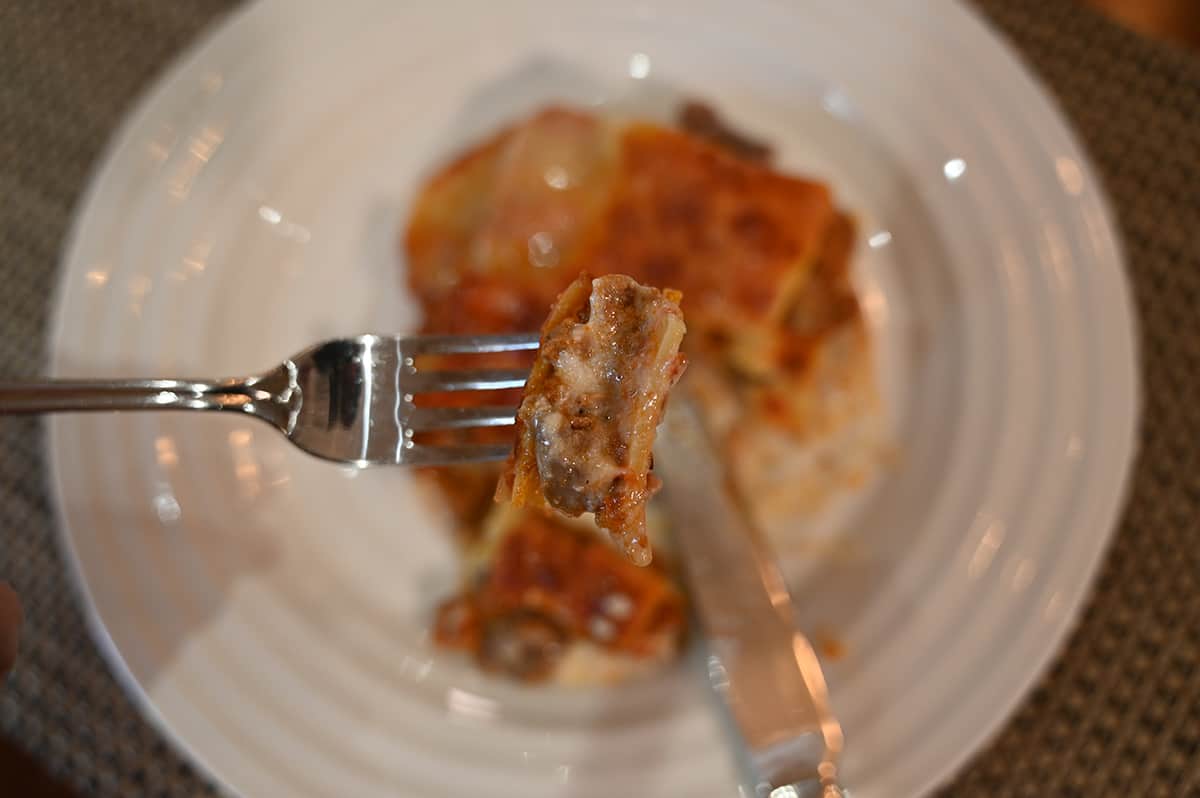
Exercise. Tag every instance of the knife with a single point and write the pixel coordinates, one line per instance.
(765, 671)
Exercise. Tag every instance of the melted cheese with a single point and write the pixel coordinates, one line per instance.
(609, 356)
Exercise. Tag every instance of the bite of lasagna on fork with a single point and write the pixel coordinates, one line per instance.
(609, 356)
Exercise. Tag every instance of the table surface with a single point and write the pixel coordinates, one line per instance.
(1118, 714)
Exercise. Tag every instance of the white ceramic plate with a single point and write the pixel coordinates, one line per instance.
(269, 611)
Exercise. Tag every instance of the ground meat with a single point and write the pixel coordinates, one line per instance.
(701, 120)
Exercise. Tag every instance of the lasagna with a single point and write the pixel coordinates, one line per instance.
(779, 354)
(585, 430)
(547, 599)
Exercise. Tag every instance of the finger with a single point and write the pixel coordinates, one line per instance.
(10, 627)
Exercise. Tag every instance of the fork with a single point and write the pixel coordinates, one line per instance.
(350, 400)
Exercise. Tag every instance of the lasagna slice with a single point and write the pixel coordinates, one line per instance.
(546, 598)
(585, 429)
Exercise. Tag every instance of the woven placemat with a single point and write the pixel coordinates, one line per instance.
(1119, 714)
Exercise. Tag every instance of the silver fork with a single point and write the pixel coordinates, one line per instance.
(351, 400)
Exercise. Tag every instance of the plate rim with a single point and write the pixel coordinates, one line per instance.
(137, 110)
(1059, 632)
(1067, 623)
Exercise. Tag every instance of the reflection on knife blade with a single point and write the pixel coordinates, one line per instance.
(764, 669)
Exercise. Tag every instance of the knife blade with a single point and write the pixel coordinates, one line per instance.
(765, 671)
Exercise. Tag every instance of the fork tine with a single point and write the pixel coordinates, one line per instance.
(463, 380)
(468, 344)
(423, 419)
(426, 455)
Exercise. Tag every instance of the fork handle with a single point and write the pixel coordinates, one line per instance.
(61, 396)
